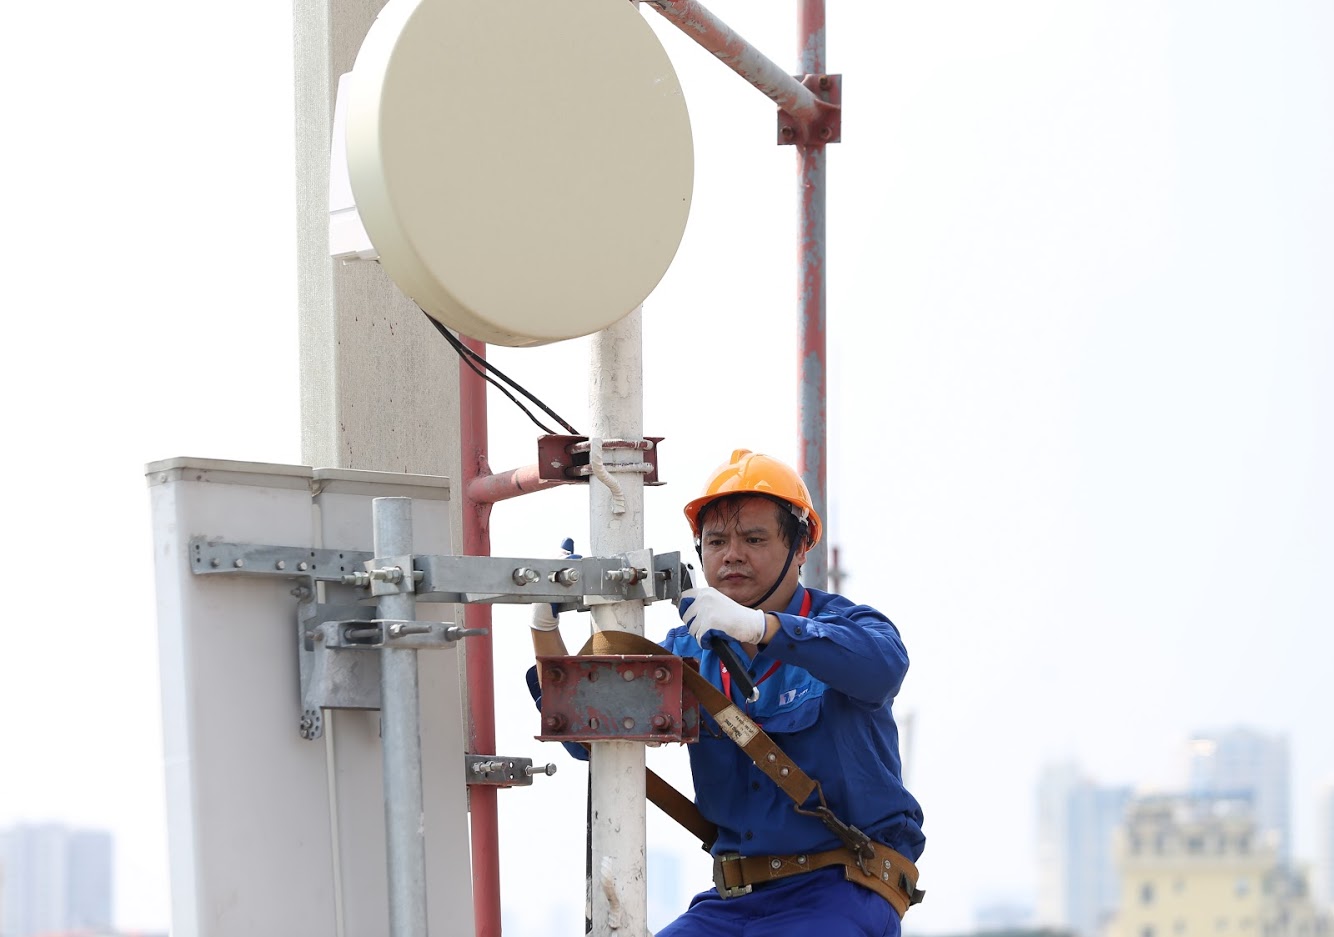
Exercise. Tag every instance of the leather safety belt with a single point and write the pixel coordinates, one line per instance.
(763, 751)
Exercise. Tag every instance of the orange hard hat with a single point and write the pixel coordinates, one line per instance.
(754, 473)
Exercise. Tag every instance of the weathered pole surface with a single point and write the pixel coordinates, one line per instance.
(483, 805)
(616, 401)
(811, 290)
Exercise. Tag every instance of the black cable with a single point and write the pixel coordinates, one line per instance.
(473, 360)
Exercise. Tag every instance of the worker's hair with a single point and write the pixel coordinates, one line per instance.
(790, 527)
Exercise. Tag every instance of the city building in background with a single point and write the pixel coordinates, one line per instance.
(54, 879)
(1078, 888)
(1002, 917)
(1325, 844)
(1237, 761)
(1204, 866)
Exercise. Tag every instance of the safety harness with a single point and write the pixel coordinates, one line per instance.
(865, 862)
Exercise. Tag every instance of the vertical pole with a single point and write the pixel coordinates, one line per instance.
(811, 287)
(400, 731)
(616, 400)
(479, 655)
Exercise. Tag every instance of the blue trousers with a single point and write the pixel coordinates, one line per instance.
(821, 902)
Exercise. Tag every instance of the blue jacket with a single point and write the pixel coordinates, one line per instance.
(829, 706)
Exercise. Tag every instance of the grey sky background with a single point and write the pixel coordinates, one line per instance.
(1080, 329)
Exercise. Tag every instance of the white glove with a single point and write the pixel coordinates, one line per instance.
(544, 613)
(544, 617)
(710, 610)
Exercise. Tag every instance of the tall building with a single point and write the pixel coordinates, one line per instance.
(1325, 840)
(667, 895)
(1240, 761)
(1203, 867)
(54, 880)
(1077, 819)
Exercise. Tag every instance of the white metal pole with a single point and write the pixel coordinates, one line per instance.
(400, 731)
(616, 399)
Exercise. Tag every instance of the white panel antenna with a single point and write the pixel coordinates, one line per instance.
(523, 169)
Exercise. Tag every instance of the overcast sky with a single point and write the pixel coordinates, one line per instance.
(1081, 403)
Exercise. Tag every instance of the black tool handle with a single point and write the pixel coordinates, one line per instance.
(739, 672)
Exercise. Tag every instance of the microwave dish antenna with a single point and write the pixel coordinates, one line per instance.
(523, 169)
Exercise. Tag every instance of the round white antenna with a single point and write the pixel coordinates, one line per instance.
(523, 168)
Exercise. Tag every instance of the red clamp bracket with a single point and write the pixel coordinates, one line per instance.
(622, 698)
(825, 124)
(565, 458)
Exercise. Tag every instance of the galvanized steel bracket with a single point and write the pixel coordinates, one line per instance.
(569, 584)
(826, 124)
(618, 697)
(502, 770)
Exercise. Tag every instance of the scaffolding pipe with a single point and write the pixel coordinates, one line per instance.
(479, 653)
(791, 96)
(400, 731)
(488, 489)
(812, 358)
(616, 770)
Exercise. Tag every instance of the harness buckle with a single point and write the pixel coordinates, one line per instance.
(720, 865)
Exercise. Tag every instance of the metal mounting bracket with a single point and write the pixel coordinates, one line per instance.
(567, 583)
(565, 458)
(502, 770)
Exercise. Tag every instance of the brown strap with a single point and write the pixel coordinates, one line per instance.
(677, 806)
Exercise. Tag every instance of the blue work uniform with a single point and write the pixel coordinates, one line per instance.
(829, 706)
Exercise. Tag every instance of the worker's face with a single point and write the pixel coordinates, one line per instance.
(743, 551)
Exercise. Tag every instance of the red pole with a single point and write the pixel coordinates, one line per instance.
(480, 668)
(811, 288)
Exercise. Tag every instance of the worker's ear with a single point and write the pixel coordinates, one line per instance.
(800, 556)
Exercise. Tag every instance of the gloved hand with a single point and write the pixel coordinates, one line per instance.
(544, 613)
(710, 610)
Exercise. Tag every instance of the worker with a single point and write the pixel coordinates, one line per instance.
(827, 671)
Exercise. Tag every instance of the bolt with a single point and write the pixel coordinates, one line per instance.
(628, 722)
(299, 592)
(771, 758)
(884, 876)
(531, 770)
(886, 863)
(824, 82)
(407, 627)
(525, 576)
(215, 562)
(555, 675)
(303, 566)
(775, 863)
(801, 860)
(788, 133)
(356, 579)
(662, 674)
(565, 577)
(238, 562)
(826, 133)
(554, 723)
(393, 574)
(627, 675)
(281, 564)
(783, 772)
(592, 676)
(661, 723)
(486, 767)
